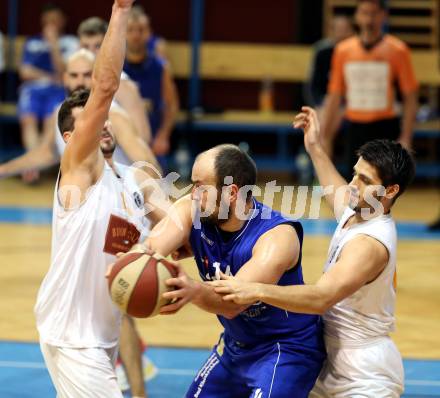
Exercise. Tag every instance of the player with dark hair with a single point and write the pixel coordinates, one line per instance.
(356, 294)
(78, 324)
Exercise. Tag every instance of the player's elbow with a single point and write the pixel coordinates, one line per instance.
(325, 304)
(106, 86)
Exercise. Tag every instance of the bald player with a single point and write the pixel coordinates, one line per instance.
(263, 351)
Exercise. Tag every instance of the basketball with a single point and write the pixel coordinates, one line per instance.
(137, 282)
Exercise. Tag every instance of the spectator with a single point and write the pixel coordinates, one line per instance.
(41, 70)
(155, 82)
(364, 71)
(91, 33)
(316, 90)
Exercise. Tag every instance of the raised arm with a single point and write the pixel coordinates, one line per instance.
(328, 176)
(129, 98)
(127, 138)
(85, 140)
(361, 262)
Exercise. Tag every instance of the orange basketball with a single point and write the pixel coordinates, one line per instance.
(137, 282)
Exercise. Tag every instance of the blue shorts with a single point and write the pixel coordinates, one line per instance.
(278, 369)
(39, 99)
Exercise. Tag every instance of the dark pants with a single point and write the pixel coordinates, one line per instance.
(358, 134)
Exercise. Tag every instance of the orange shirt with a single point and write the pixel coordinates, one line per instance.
(366, 77)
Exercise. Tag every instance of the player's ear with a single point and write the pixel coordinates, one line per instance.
(67, 135)
(234, 192)
(391, 191)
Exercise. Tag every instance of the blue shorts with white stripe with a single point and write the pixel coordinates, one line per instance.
(277, 369)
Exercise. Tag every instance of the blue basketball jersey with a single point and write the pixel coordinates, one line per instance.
(36, 51)
(151, 44)
(148, 75)
(260, 321)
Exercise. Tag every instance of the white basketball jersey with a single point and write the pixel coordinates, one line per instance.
(119, 155)
(369, 312)
(73, 306)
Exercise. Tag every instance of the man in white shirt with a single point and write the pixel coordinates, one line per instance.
(77, 323)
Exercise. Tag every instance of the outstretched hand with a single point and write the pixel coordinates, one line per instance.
(239, 292)
(307, 120)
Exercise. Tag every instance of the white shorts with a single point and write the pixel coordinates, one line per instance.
(372, 370)
(82, 372)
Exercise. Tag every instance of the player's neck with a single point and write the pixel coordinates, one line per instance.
(110, 162)
(136, 57)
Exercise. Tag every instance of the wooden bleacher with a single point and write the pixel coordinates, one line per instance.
(255, 62)
(414, 21)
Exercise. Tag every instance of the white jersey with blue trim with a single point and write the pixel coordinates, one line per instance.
(73, 306)
(369, 312)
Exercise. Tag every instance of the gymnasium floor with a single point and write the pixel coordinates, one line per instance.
(24, 257)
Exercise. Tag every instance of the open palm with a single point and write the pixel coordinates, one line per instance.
(307, 120)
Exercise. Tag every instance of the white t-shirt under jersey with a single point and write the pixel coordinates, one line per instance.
(119, 155)
(369, 312)
(73, 306)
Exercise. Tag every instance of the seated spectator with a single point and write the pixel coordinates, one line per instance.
(154, 79)
(41, 70)
(78, 75)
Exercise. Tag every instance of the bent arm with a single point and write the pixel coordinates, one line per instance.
(126, 137)
(29, 72)
(40, 157)
(361, 261)
(335, 187)
(274, 253)
(129, 98)
(173, 231)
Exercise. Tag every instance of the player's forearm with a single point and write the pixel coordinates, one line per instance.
(130, 100)
(306, 299)
(208, 300)
(57, 61)
(329, 178)
(410, 102)
(168, 120)
(28, 72)
(110, 59)
(38, 158)
(171, 106)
